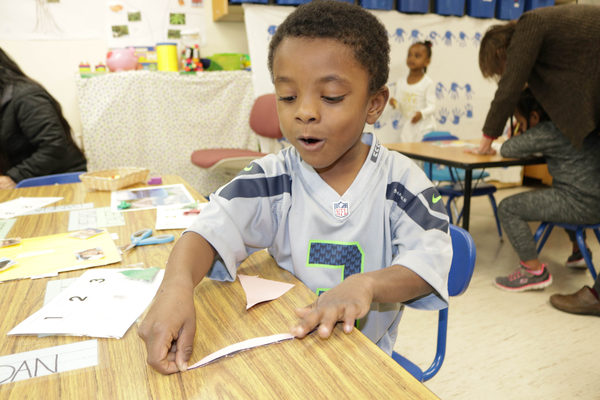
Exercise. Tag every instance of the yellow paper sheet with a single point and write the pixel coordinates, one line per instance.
(48, 254)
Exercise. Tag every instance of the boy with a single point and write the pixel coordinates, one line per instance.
(360, 226)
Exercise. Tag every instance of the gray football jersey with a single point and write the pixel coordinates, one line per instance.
(390, 215)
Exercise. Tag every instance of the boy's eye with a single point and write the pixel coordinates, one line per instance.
(333, 99)
(286, 98)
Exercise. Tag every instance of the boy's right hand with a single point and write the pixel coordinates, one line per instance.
(169, 328)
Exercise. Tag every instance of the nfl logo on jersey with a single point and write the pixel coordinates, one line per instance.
(340, 209)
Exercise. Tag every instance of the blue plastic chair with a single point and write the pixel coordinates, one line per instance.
(461, 271)
(457, 176)
(58, 179)
(545, 228)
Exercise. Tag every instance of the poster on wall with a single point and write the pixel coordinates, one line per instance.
(463, 96)
(51, 20)
(147, 22)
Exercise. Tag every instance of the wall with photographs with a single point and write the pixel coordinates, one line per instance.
(47, 56)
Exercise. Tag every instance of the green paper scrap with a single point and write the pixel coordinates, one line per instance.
(5, 227)
(146, 274)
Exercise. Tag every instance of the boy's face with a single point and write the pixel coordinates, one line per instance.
(323, 101)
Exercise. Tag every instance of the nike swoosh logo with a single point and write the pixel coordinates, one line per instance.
(435, 199)
(248, 168)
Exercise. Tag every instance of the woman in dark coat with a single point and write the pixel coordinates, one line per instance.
(556, 52)
(35, 137)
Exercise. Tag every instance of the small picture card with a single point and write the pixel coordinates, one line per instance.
(5, 263)
(86, 233)
(95, 253)
(10, 242)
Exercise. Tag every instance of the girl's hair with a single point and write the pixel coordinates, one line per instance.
(10, 74)
(492, 51)
(350, 25)
(427, 44)
(528, 104)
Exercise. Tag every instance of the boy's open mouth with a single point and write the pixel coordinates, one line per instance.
(310, 140)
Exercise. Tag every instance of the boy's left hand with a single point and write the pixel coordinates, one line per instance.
(346, 302)
(417, 117)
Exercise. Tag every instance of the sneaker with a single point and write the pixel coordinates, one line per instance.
(522, 279)
(576, 260)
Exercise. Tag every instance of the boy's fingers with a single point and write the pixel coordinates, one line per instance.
(350, 316)
(308, 323)
(302, 312)
(328, 320)
(158, 347)
(185, 347)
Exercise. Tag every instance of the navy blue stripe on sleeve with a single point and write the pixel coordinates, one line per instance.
(415, 209)
(257, 187)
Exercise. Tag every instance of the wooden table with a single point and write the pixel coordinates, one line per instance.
(343, 366)
(456, 157)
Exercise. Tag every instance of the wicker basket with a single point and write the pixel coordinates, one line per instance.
(103, 180)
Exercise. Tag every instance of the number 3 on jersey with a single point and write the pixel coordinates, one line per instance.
(345, 256)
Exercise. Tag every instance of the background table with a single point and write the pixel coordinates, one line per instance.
(156, 120)
(343, 366)
(456, 157)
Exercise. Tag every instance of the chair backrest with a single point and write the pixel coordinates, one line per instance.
(438, 135)
(58, 179)
(264, 120)
(463, 261)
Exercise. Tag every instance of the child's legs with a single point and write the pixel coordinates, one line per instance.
(573, 238)
(540, 205)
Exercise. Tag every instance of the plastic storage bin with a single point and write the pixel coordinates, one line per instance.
(450, 7)
(291, 2)
(377, 4)
(413, 6)
(481, 8)
(533, 4)
(249, 1)
(509, 9)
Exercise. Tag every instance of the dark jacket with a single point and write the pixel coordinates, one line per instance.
(556, 50)
(32, 137)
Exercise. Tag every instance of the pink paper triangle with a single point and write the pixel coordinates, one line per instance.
(259, 290)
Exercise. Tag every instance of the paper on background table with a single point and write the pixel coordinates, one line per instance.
(68, 207)
(242, 346)
(23, 205)
(61, 257)
(172, 217)
(259, 290)
(453, 143)
(51, 360)
(100, 217)
(5, 227)
(101, 303)
(151, 197)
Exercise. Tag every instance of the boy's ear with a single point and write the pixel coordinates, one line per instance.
(377, 104)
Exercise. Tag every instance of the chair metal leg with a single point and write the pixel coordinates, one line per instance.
(495, 208)
(539, 232)
(584, 252)
(545, 237)
(440, 353)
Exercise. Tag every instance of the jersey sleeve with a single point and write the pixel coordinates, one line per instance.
(242, 216)
(421, 241)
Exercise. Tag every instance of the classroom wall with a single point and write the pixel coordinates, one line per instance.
(54, 63)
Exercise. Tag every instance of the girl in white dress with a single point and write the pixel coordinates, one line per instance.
(415, 95)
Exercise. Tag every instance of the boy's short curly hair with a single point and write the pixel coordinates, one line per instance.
(347, 23)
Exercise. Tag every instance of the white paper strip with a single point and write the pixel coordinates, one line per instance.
(232, 350)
